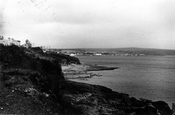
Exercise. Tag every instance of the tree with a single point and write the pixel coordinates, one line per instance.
(28, 44)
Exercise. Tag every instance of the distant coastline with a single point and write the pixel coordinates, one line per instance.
(115, 52)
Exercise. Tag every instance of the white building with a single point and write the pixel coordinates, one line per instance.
(9, 41)
(98, 54)
(72, 54)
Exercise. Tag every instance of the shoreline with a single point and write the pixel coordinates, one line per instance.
(74, 71)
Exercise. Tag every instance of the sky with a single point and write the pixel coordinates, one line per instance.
(90, 23)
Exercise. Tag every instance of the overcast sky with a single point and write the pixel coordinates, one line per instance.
(90, 23)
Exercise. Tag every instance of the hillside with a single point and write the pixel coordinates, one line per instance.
(62, 58)
(33, 83)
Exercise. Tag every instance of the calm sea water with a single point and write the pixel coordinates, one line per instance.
(150, 77)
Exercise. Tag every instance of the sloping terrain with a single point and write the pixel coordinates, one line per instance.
(27, 84)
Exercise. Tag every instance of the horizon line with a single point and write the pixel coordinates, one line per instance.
(118, 48)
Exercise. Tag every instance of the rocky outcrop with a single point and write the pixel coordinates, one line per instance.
(63, 59)
(86, 99)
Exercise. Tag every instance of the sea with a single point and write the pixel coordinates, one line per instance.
(147, 77)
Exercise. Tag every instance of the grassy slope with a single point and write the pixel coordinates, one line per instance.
(27, 85)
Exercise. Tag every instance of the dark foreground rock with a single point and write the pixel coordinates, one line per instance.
(34, 84)
(88, 99)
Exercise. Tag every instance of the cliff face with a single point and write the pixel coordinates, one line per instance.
(28, 83)
(64, 59)
(14, 57)
(30, 79)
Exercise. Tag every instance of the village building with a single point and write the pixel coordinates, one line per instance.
(98, 54)
(9, 41)
(28, 44)
(72, 54)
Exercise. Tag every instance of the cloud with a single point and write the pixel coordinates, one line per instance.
(1, 24)
(97, 23)
(166, 14)
(1, 18)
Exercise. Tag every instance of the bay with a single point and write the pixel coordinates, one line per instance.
(150, 77)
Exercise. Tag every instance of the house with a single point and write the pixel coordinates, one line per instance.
(98, 54)
(28, 44)
(72, 54)
(9, 41)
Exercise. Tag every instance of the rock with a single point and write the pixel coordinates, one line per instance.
(31, 91)
(162, 107)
